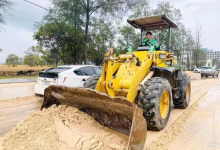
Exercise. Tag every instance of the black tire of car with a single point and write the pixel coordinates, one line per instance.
(213, 76)
(182, 102)
(91, 82)
(206, 76)
(149, 100)
(202, 76)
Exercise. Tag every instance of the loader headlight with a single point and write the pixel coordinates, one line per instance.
(168, 62)
(163, 56)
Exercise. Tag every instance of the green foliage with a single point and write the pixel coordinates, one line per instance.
(128, 39)
(140, 9)
(75, 28)
(100, 41)
(4, 6)
(28, 60)
(60, 40)
(12, 59)
(216, 62)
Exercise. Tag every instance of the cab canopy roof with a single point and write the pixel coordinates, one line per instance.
(153, 23)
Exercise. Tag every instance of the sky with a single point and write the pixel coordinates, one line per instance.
(17, 35)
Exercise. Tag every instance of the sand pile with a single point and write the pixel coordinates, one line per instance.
(61, 128)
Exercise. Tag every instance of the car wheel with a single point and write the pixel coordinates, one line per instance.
(206, 76)
(91, 82)
(38, 95)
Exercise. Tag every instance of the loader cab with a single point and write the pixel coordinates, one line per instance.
(160, 22)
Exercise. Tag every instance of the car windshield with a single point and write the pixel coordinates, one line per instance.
(206, 68)
(98, 70)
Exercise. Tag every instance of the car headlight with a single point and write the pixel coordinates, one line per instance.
(163, 56)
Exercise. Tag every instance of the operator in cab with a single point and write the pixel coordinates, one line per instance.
(149, 41)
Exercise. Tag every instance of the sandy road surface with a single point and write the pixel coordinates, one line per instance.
(202, 130)
(14, 110)
(8, 91)
(11, 113)
(200, 88)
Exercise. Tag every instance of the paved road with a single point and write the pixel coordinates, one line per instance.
(10, 114)
(8, 91)
(200, 88)
(202, 130)
(9, 81)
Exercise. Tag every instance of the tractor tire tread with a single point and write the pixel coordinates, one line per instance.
(91, 82)
(150, 97)
(181, 102)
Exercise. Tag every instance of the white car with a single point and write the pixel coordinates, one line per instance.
(48, 77)
(197, 70)
(76, 76)
(69, 77)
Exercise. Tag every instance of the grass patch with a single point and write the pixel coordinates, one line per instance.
(22, 68)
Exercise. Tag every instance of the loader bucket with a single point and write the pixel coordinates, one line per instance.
(115, 113)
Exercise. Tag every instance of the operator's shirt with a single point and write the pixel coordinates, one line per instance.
(152, 47)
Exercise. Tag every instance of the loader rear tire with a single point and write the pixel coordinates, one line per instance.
(91, 82)
(185, 93)
(155, 100)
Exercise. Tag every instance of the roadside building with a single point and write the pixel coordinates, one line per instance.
(211, 55)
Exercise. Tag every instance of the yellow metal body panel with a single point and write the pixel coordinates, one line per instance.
(122, 75)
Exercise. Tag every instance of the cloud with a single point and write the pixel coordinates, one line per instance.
(15, 41)
(17, 35)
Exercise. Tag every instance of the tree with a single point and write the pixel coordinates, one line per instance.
(162, 36)
(128, 39)
(140, 9)
(216, 62)
(4, 6)
(59, 39)
(198, 52)
(99, 8)
(101, 40)
(12, 59)
(34, 52)
(32, 57)
(28, 60)
(190, 44)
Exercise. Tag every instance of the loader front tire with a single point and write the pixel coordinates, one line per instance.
(185, 93)
(91, 82)
(155, 100)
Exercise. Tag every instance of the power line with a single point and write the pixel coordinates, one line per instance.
(55, 20)
(37, 5)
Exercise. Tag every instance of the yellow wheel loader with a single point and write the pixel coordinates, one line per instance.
(135, 91)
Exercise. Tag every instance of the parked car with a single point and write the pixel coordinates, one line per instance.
(209, 71)
(197, 70)
(72, 76)
(77, 75)
(48, 77)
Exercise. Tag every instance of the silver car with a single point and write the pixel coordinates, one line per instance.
(209, 71)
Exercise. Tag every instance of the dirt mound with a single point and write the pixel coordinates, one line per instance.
(62, 128)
